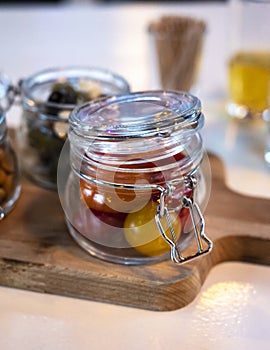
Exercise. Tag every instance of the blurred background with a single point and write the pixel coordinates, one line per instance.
(93, 1)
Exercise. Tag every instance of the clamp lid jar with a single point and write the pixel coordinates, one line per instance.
(48, 97)
(137, 181)
(9, 170)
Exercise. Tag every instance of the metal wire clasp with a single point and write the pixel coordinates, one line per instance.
(162, 211)
(9, 93)
(197, 220)
(2, 213)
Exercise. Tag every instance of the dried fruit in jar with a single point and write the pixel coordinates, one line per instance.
(7, 174)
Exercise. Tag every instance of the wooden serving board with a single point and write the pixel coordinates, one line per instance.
(38, 254)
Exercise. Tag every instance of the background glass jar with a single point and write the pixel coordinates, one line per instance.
(48, 97)
(138, 175)
(249, 64)
(9, 171)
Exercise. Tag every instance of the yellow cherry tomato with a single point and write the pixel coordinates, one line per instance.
(142, 233)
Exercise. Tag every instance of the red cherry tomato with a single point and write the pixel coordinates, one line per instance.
(111, 219)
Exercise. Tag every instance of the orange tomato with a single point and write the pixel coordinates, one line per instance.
(110, 200)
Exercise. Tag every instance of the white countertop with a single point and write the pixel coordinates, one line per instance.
(232, 310)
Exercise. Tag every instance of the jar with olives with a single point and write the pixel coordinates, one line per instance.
(9, 171)
(48, 97)
(140, 178)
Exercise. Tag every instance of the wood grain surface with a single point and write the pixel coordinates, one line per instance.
(38, 254)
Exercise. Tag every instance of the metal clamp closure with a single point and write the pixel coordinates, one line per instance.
(8, 93)
(172, 240)
(197, 220)
(2, 214)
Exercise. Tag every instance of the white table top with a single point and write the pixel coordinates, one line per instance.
(232, 310)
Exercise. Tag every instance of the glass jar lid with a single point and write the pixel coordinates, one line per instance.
(137, 115)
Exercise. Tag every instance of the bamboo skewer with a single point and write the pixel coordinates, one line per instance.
(178, 43)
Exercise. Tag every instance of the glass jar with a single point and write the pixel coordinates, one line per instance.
(9, 171)
(139, 175)
(249, 64)
(48, 97)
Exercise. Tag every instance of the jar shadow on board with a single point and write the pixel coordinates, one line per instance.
(48, 97)
(140, 178)
(9, 170)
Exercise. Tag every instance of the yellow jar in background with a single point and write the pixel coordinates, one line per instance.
(249, 77)
(249, 62)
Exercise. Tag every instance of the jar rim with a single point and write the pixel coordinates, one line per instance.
(139, 114)
(67, 74)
